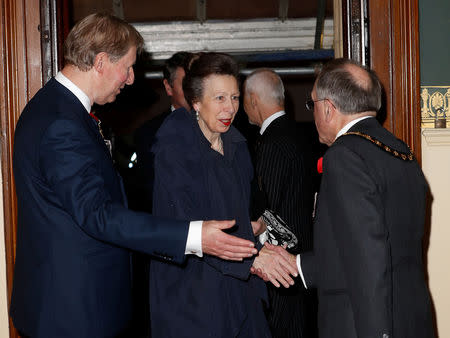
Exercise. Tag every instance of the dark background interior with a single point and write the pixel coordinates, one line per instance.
(146, 98)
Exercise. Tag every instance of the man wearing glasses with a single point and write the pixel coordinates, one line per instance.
(367, 259)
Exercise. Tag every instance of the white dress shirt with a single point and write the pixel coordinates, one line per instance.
(347, 127)
(194, 238)
(84, 99)
(269, 120)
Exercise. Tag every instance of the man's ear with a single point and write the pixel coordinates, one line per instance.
(100, 61)
(330, 110)
(253, 100)
(168, 87)
(257, 108)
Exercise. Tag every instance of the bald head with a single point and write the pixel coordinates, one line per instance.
(351, 87)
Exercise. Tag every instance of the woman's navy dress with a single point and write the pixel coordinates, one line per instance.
(204, 297)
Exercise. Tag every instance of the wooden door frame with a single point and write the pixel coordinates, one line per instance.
(392, 50)
(21, 77)
(393, 54)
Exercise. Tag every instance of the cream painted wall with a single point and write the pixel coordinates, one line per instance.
(4, 324)
(436, 166)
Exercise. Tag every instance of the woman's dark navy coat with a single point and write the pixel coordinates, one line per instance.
(205, 297)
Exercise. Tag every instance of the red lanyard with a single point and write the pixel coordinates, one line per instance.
(95, 117)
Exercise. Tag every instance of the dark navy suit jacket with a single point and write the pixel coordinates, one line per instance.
(72, 271)
(205, 297)
(367, 263)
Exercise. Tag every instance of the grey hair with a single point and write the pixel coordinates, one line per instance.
(267, 84)
(350, 93)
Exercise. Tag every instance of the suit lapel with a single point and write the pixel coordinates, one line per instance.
(77, 110)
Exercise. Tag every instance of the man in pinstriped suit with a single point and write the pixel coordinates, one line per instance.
(285, 181)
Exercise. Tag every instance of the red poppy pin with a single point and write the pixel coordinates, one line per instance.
(319, 165)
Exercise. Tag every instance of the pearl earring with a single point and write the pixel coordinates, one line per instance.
(197, 115)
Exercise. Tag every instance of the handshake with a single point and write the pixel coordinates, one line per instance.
(273, 262)
(276, 265)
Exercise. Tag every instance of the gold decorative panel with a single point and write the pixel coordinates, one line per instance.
(435, 106)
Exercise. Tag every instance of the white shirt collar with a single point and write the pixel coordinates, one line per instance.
(84, 99)
(351, 124)
(269, 120)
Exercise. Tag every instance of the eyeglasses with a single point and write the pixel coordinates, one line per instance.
(310, 103)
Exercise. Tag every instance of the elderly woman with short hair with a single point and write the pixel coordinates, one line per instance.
(203, 171)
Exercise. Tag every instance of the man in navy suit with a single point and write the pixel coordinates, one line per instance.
(72, 271)
(367, 263)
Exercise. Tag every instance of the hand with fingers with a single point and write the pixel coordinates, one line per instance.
(276, 265)
(215, 242)
(258, 226)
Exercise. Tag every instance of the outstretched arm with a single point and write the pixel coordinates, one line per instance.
(215, 242)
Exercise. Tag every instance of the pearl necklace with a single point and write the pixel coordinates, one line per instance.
(219, 146)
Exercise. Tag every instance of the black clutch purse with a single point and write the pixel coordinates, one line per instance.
(277, 230)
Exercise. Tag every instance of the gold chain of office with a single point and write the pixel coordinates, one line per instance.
(398, 154)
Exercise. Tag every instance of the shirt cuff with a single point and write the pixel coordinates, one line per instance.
(299, 267)
(263, 237)
(194, 239)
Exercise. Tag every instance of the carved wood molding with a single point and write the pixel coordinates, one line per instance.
(394, 55)
(338, 43)
(389, 30)
(20, 79)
